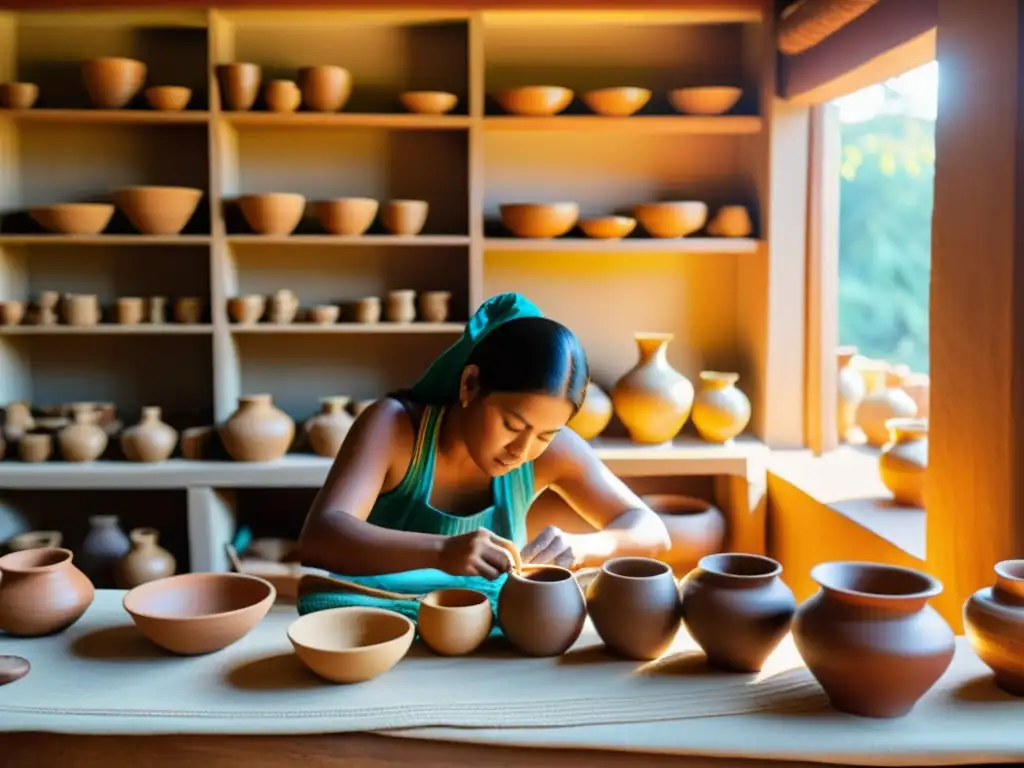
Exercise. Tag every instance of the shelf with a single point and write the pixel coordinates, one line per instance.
(347, 120)
(421, 241)
(685, 456)
(729, 124)
(106, 329)
(356, 328)
(14, 239)
(627, 245)
(105, 116)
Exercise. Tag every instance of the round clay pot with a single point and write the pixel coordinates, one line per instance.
(878, 407)
(41, 592)
(327, 430)
(634, 605)
(158, 210)
(74, 218)
(104, 545)
(870, 638)
(594, 415)
(112, 81)
(275, 213)
(542, 612)
(325, 88)
(130, 310)
(18, 95)
(434, 306)
(429, 102)
(168, 98)
(653, 400)
(282, 96)
(84, 439)
(850, 391)
(994, 625)
(696, 528)
(672, 219)
(146, 560)
(35, 447)
(903, 463)
(81, 309)
(454, 622)
(283, 307)
(257, 431)
(347, 216)
(401, 306)
(737, 609)
(247, 310)
(239, 84)
(367, 310)
(12, 312)
(35, 540)
(151, 440)
(405, 218)
(720, 410)
(709, 100)
(731, 221)
(188, 310)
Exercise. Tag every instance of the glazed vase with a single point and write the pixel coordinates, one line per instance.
(145, 561)
(720, 410)
(878, 407)
(850, 391)
(84, 439)
(542, 612)
(903, 463)
(151, 440)
(104, 545)
(41, 592)
(594, 414)
(633, 603)
(696, 528)
(327, 430)
(994, 625)
(653, 400)
(257, 431)
(870, 638)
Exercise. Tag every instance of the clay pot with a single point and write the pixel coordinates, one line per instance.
(671, 219)
(104, 545)
(712, 100)
(246, 310)
(83, 440)
(81, 309)
(41, 592)
(12, 312)
(146, 560)
(850, 391)
(151, 440)
(326, 431)
(634, 605)
(112, 81)
(903, 463)
(594, 415)
(18, 95)
(429, 102)
(617, 102)
(239, 84)
(720, 410)
(35, 540)
(325, 88)
(878, 407)
(198, 443)
(994, 625)
(434, 306)
(653, 400)
(367, 310)
(870, 638)
(324, 314)
(542, 612)
(35, 447)
(130, 310)
(168, 98)
(918, 386)
(283, 307)
(282, 96)
(696, 528)
(405, 217)
(401, 306)
(188, 310)
(275, 213)
(74, 218)
(347, 216)
(454, 622)
(737, 608)
(257, 431)
(158, 210)
(731, 221)
(535, 100)
(351, 644)
(18, 420)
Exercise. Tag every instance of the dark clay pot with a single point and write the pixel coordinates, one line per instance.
(994, 625)
(542, 612)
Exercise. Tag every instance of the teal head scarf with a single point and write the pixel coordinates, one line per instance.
(440, 384)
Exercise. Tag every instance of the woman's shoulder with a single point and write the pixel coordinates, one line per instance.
(388, 425)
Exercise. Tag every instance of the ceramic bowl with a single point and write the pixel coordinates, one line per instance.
(158, 210)
(12, 312)
(112, 81)
(247, 309)
(275, 213)
(429, 102)
(324, 314)
(535, 100)
(18, 95)
(74, 218)
(608, 227)
(454, 622)
(539, 220)
(168, 98)
(405, 218)
(672, 219)
(351, 644)
(350, 216)
(705, 101)
(197, 613)
(617, 102)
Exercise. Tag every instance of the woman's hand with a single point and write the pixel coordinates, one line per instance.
(551, 547)
(478, 553)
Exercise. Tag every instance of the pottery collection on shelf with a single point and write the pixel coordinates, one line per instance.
(85, 310)
(398, 306)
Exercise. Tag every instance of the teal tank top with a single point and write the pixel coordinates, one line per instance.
(407, 508)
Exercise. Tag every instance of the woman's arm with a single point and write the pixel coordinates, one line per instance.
(626, 526)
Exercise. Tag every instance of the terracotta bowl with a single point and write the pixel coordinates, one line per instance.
(672, 219)
(608, 227)
(350, 216)
(112, 81)
(351, 644)
(535, 100)
(705, 101)
(74, 218)
(158, 210)
(405, 218)
(617, 102)
(198, 613)
(275, 213)
(429, 102)
(12, 312)
(247, 309)
(324, 314)
(168, 98)
(454, 622)
(539, 220)
(18, 95)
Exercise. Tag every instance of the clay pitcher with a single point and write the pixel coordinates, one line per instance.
(150, 440)
(542, 612)
(737, 609)
(146, 560)
(327, 430)
(870, 638)
(850, 390)
(903, 463)
(41, 592)
(593, 416)
(994, 625)
(257, 431)
(720, 410)
(83, 440)
(634, 605)
(653, 400)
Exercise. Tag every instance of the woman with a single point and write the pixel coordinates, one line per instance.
(431, 487)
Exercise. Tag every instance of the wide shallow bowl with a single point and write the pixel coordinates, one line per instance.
(535, 100)
(429, 102)
(168, 98)
(617, 102)
(275, 213)
(672, 219)
(74, 218)
(608, 227)
(454, 622)
(716, 100)
(158, 210)
(198, 613)
(539, 220)
(351, 644)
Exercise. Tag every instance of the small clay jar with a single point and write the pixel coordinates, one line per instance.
(239, 84)
(994, 625)
(81, 309)
(151, 440)
(401, 306)
(156, 309)
(246, 310)
(130, 310)
(325, 88)
(12, 312)
(542, 612)
(405, 218)
(104, 545)
(35, 447)
(434, 306)
(284, 306)
(696, 529)
(870, 638)
(257, 431)
(327, 430)
(83, 440)
(18, 95)
(903, 462)
(35, 540)
(282, 96)
(188, 310)
(737, 609)
(145, 561)
(367, 310)
(594, 415)
(720, 410)
(634, 605)
(41, 592)
(324, 314)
